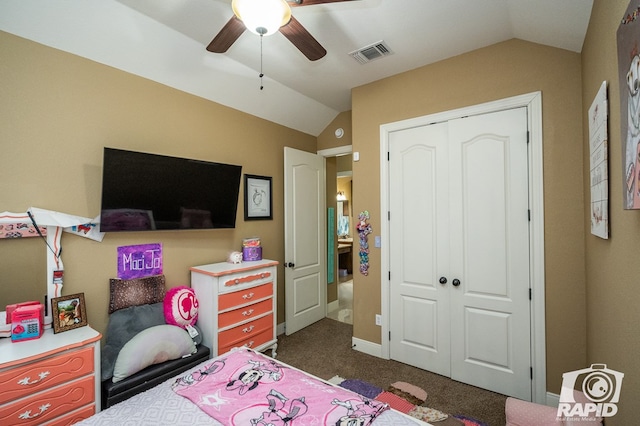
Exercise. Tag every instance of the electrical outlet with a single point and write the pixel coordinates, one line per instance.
(378, 319)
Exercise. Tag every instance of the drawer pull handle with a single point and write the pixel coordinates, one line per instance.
(248, 296)
(27, 414)
(27, 380)
(248, 345)
(248, 329)
(247, 279)
(247, 313)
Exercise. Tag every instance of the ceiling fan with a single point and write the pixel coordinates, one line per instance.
(281, 20)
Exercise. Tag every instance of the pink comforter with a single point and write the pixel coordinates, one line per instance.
(245, 387)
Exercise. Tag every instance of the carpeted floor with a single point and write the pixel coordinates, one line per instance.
(324, 349)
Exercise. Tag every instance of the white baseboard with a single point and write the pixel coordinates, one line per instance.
(374, 349)
(333, 306)
(553, 399)
(280, 328)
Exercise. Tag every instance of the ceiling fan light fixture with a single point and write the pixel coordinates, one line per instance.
(262, 17)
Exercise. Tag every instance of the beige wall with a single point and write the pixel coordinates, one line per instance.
(58, 111)
(496, 72)
(611, 269)
(327, 138)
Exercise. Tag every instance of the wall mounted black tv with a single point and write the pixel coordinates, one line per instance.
(147, 192)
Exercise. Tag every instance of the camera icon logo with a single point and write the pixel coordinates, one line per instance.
(589, 392)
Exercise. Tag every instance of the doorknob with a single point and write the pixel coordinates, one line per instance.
(443, 280)
(456, 282)
(289, 265)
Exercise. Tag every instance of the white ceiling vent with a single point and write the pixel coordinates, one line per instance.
(371, 52)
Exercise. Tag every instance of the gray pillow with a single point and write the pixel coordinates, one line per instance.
(123, 325)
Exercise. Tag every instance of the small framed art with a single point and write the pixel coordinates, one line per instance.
(258, 202)
(69, 312)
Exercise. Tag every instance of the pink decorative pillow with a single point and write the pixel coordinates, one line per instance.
(181, 306)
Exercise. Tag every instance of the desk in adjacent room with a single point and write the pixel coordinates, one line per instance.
(345, 254)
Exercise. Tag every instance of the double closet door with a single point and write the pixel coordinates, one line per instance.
(459, 250)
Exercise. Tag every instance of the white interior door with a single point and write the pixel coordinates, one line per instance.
(489, 237)
(305, 239)
(419, 304)
(459, 241)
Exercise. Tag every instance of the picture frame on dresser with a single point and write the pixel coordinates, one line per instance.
(258, 201)
(68, 312)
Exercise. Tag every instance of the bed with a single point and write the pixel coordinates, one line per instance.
(244, 387)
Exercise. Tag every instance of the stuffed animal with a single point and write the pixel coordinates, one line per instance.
(235, 257)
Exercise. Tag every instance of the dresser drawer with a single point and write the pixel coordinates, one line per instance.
(229, 282)
(242, 332)
(251, 342)
(31, 378)
(75, 417)
(245, 313)
(49, 404)
(243, 297)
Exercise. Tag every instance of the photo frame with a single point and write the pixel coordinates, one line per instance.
(68, 312)
(258, 202)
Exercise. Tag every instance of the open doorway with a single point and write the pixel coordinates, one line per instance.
(340, 306)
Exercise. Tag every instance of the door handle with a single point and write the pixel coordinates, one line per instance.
(443, 280)
(289, 265)
(456, 282)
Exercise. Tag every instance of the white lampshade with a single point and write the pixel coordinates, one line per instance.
(262, 17)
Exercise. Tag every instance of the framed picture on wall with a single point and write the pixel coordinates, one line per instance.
(68, 312)
(258, 202)
(628, 36)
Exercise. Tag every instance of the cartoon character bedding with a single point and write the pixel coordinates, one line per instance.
(248, 388)
(244, 387)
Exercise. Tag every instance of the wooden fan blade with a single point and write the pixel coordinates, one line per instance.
(296, 3)
(303, 40)
(227, 36)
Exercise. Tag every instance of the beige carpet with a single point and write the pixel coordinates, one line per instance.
(324, 349)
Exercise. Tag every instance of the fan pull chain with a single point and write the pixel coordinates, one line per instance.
(261, 73)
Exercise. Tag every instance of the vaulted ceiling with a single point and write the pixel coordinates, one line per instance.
(165, 41)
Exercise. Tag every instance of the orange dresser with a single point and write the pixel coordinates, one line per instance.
(50, 380)
(237, 305)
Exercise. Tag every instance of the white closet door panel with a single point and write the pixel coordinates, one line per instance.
(490, 325)
(419, 304)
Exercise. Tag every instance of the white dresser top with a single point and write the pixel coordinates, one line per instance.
(225, 268)
(12, 353)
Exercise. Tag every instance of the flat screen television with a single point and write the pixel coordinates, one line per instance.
(147, 192)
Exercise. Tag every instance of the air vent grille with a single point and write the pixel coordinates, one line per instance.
(371, 52)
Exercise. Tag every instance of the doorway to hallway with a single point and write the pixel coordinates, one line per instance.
(339, 193)
(343, 310)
